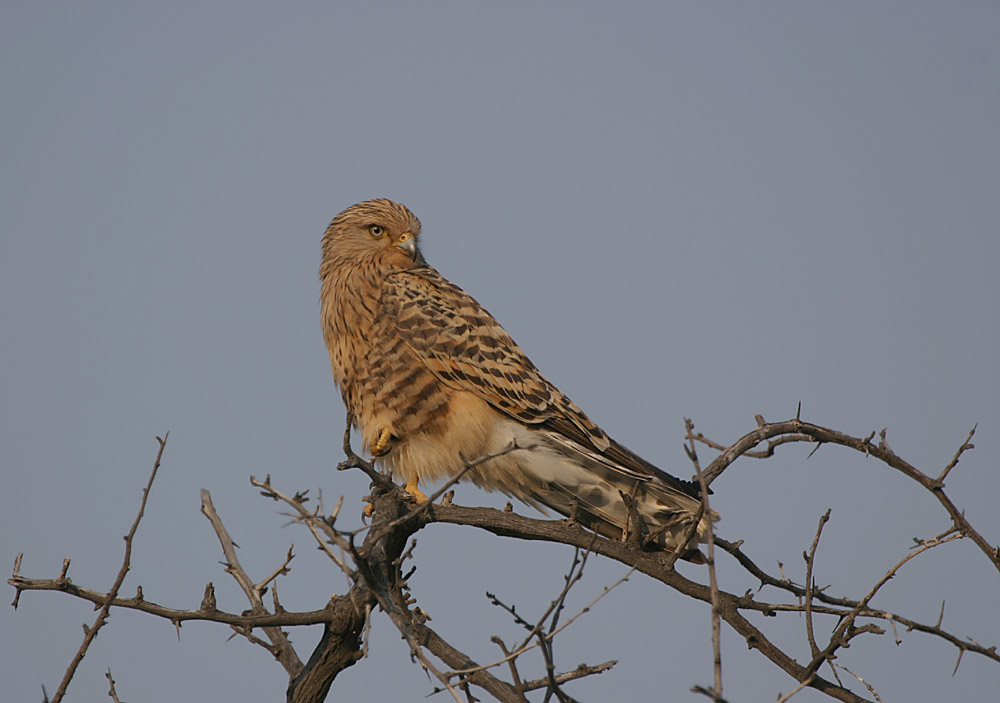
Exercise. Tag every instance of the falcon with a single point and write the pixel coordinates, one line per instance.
(433, 382)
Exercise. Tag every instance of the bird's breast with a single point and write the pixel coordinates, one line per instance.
(349, 301)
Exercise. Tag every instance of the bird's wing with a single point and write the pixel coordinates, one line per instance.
(461, 343)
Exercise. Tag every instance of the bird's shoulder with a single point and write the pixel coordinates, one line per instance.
(467, 348)
(421, 302)
(450, 332)
(424, 284)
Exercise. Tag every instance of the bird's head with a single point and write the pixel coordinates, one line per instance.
(378, 229)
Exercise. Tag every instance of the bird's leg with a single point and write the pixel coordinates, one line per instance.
(381, 446)
(411, 488)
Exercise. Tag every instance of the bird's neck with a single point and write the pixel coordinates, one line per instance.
(349, 302)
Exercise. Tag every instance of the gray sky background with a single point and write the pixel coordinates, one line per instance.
(678, 209)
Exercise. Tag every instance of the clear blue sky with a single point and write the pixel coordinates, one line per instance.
(678, 209)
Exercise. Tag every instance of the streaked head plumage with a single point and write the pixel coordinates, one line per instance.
(372, 226)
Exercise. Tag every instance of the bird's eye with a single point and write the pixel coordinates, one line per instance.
(376, 232)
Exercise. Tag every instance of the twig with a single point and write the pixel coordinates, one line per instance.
(652, 564)
(536, 631)
(16, 574)
(577, 673)
(798, 431)
(706, 509)
(102, 616)
(314, 521)
(549, 636)
(353, 461)
(867, 685)
(112, 693)
(710, 693)
(810, 559)
(281, 647)
(455, 659)
(280, 571)
(966, 445)
(556, 606)
(206, 613)
(511, 664)
(802, 684)
(840, 635)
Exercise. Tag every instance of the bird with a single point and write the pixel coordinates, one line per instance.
(433, 382)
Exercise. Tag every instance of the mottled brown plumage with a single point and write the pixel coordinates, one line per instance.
(432, 379)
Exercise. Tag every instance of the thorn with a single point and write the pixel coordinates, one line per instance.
(208, 602)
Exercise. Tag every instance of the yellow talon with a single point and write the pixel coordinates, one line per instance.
(368, 510)
(382, 443)
(411, 488)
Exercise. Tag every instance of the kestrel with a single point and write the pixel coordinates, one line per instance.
(433, 381)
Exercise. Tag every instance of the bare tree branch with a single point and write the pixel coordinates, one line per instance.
(374, 560)
(112, 693)
(280, 647)
(102, 616)
(798, 431)
(810, 585)
(716, 692)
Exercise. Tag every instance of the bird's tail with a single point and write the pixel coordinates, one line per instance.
(619, 500)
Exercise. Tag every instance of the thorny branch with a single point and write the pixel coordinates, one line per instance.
(112, 693)
(778, 433)
(537, 635)
(810, 559)
(280, 647)
(715, 693)
(102, 617)
(372, 559)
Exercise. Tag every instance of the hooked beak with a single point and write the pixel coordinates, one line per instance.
(408, 243)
